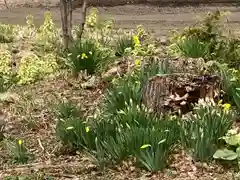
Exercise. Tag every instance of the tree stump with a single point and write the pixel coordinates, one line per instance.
(178, 92)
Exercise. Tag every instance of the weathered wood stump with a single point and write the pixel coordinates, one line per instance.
(178, 92)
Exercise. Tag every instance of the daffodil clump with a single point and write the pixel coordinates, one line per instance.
(209, 122)
(18, 152)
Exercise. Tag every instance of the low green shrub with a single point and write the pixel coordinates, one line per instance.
(227, 51)
(206, 39)
(231, 151)
(33, 68)
(209, 122)
(6, 33)
(7, 76)
(47, 35)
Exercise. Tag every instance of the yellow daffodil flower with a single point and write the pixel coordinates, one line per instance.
(20, 142)
(87, 129)
(83, 56)
(136, 40)
(226, 107)
(137, 62)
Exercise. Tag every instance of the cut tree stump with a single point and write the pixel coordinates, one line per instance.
(178, 92)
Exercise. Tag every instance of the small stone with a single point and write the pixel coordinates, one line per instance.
(9, 97)
(91, 83)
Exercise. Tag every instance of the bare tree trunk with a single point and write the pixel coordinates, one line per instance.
(70, 11)
(66, 8)
(64, 19)
(84, 13)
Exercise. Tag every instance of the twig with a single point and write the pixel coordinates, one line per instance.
(5, 2)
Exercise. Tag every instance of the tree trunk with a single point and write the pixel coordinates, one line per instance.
(64, 20)
(84, 13)
(70, 11)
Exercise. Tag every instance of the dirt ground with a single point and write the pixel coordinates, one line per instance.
(159, 20)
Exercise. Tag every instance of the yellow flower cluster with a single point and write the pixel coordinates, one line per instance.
(91, 19)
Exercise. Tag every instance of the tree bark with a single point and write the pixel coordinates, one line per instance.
(84, 13)
(70, 11)
(64, 20)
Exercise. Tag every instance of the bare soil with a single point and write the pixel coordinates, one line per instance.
(159, 20)
(41, 139)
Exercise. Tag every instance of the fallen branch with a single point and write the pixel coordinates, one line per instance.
(38, 166)
(5, 2)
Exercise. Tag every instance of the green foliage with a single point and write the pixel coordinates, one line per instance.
(231, 82)
(92, 19)
(113, 139)
(33, 68)
(17, 178)
(232, 150)
(75, 133)
(122, 44)
(71, 128)
(193, 47)
(126, 90)
(206, 40)
(5, 63)
(18, 152)
(85, 55)
(144, 45)
(7, 77)
(47, 36)
(201, 131)
(66, 110)
(6, 33)
(199, 40)
(154, 154)
(228, 51)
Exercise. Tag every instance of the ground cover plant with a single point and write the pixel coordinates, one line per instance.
(79, 112)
